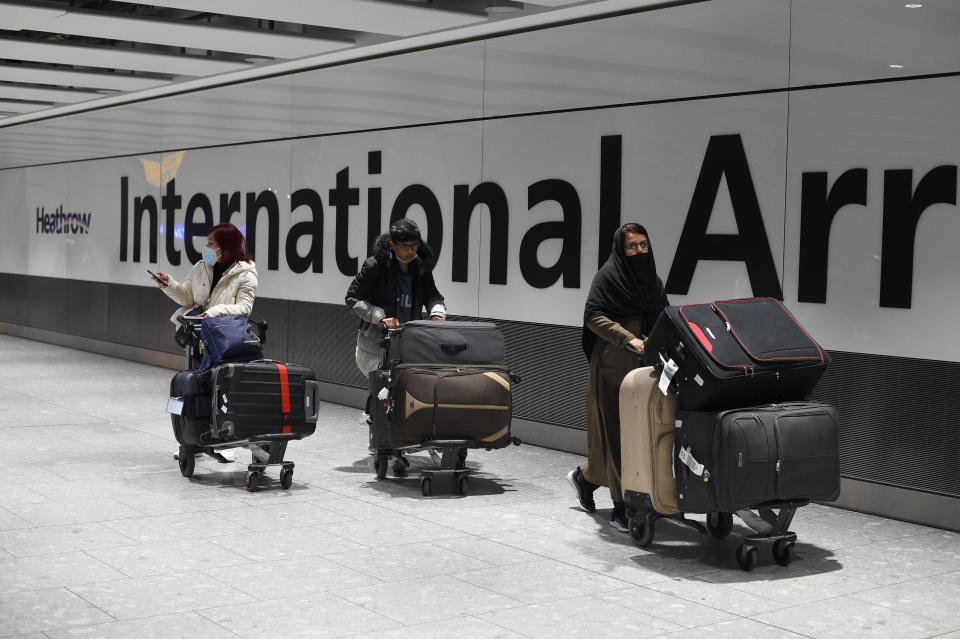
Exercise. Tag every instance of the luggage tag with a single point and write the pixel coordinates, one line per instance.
(383, 394)
(175, 406)
(670, 369)
(690, 462)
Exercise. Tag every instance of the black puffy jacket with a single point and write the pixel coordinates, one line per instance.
(373, 293)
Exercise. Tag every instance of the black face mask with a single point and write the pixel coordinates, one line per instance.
(639, 264)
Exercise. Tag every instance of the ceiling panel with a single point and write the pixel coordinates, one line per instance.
(228, 71)
(7, 106)
(61, 77)
(194, 35)
(355, 15)
(113, 58)
(45, 94)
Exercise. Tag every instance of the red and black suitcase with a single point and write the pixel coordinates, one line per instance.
(734, 353)
(738, 459)
(263, 398)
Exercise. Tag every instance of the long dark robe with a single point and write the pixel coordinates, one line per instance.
(630, 294)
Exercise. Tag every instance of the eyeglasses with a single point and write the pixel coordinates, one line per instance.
(407, 246)
(637, 246)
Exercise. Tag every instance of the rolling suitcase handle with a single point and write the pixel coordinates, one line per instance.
(311, 401)
(453, 349)
(386, 334)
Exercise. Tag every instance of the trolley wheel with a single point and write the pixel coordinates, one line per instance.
(380, 465)
(463, 486)
(425, 487)
(747, 556)
(286, 478)
(253, 479)
(783, 551)
(187, 464)
(719, 525)
(642, 530)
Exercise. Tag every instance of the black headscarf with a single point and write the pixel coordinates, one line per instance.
(624, 287)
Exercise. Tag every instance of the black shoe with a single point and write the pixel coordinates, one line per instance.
(583, 488)
(618, 518)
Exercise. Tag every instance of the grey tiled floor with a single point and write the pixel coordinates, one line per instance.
(100, 536)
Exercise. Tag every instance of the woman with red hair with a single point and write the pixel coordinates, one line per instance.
(224, 282)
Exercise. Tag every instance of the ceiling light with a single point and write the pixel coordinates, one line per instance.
(896, 66)
(913, 5)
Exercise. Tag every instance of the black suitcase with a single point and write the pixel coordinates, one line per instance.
(377, 411)
(263, 398)
(734, 353)
(456, 343)
(194, 420)
(735, 459)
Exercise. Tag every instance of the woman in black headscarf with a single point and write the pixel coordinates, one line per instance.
(624, 301)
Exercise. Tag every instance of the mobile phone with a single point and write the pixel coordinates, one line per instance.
(154, 276)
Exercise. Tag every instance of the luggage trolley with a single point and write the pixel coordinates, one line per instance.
(778, 516)
(663, 480)
(266, 449)
(450, 455)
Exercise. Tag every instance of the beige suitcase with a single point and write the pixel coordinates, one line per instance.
(647, 419)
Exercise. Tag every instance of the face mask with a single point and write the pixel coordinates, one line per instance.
(209, 255)
(638, 263)
(400, 259)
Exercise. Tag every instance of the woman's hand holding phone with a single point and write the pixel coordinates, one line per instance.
(160, 278)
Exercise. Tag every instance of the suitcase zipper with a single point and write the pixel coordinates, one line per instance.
(776, 442)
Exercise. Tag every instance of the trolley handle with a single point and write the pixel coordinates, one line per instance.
(261, 327)
(633, 350)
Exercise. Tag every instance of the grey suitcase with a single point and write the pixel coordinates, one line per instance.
(446, 343)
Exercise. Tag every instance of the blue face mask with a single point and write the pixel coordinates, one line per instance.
(209, 255)
(400, 259)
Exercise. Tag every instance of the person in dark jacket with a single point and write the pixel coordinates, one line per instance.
(394, 285)
(625, 299)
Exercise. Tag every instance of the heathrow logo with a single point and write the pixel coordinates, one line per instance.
(60, 222)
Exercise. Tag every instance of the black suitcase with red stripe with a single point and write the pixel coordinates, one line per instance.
(263, 398)
(732, 353)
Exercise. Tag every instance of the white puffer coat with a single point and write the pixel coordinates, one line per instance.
(233, 294)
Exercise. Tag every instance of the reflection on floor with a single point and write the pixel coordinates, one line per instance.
(100, 536)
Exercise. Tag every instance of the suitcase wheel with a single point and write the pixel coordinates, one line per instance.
(187, 464)
(425, 487)
(719, 525)
(747, 556)
(286, 478)
(380, 463)
(642, 530)
(783, 551)
(463, 486)
(253, 479)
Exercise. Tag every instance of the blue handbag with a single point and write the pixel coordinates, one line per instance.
(228, 339)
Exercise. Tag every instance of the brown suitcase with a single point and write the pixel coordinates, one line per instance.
(647, 423)
(450, 403)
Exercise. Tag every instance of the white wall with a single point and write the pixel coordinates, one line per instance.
(522, 109)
